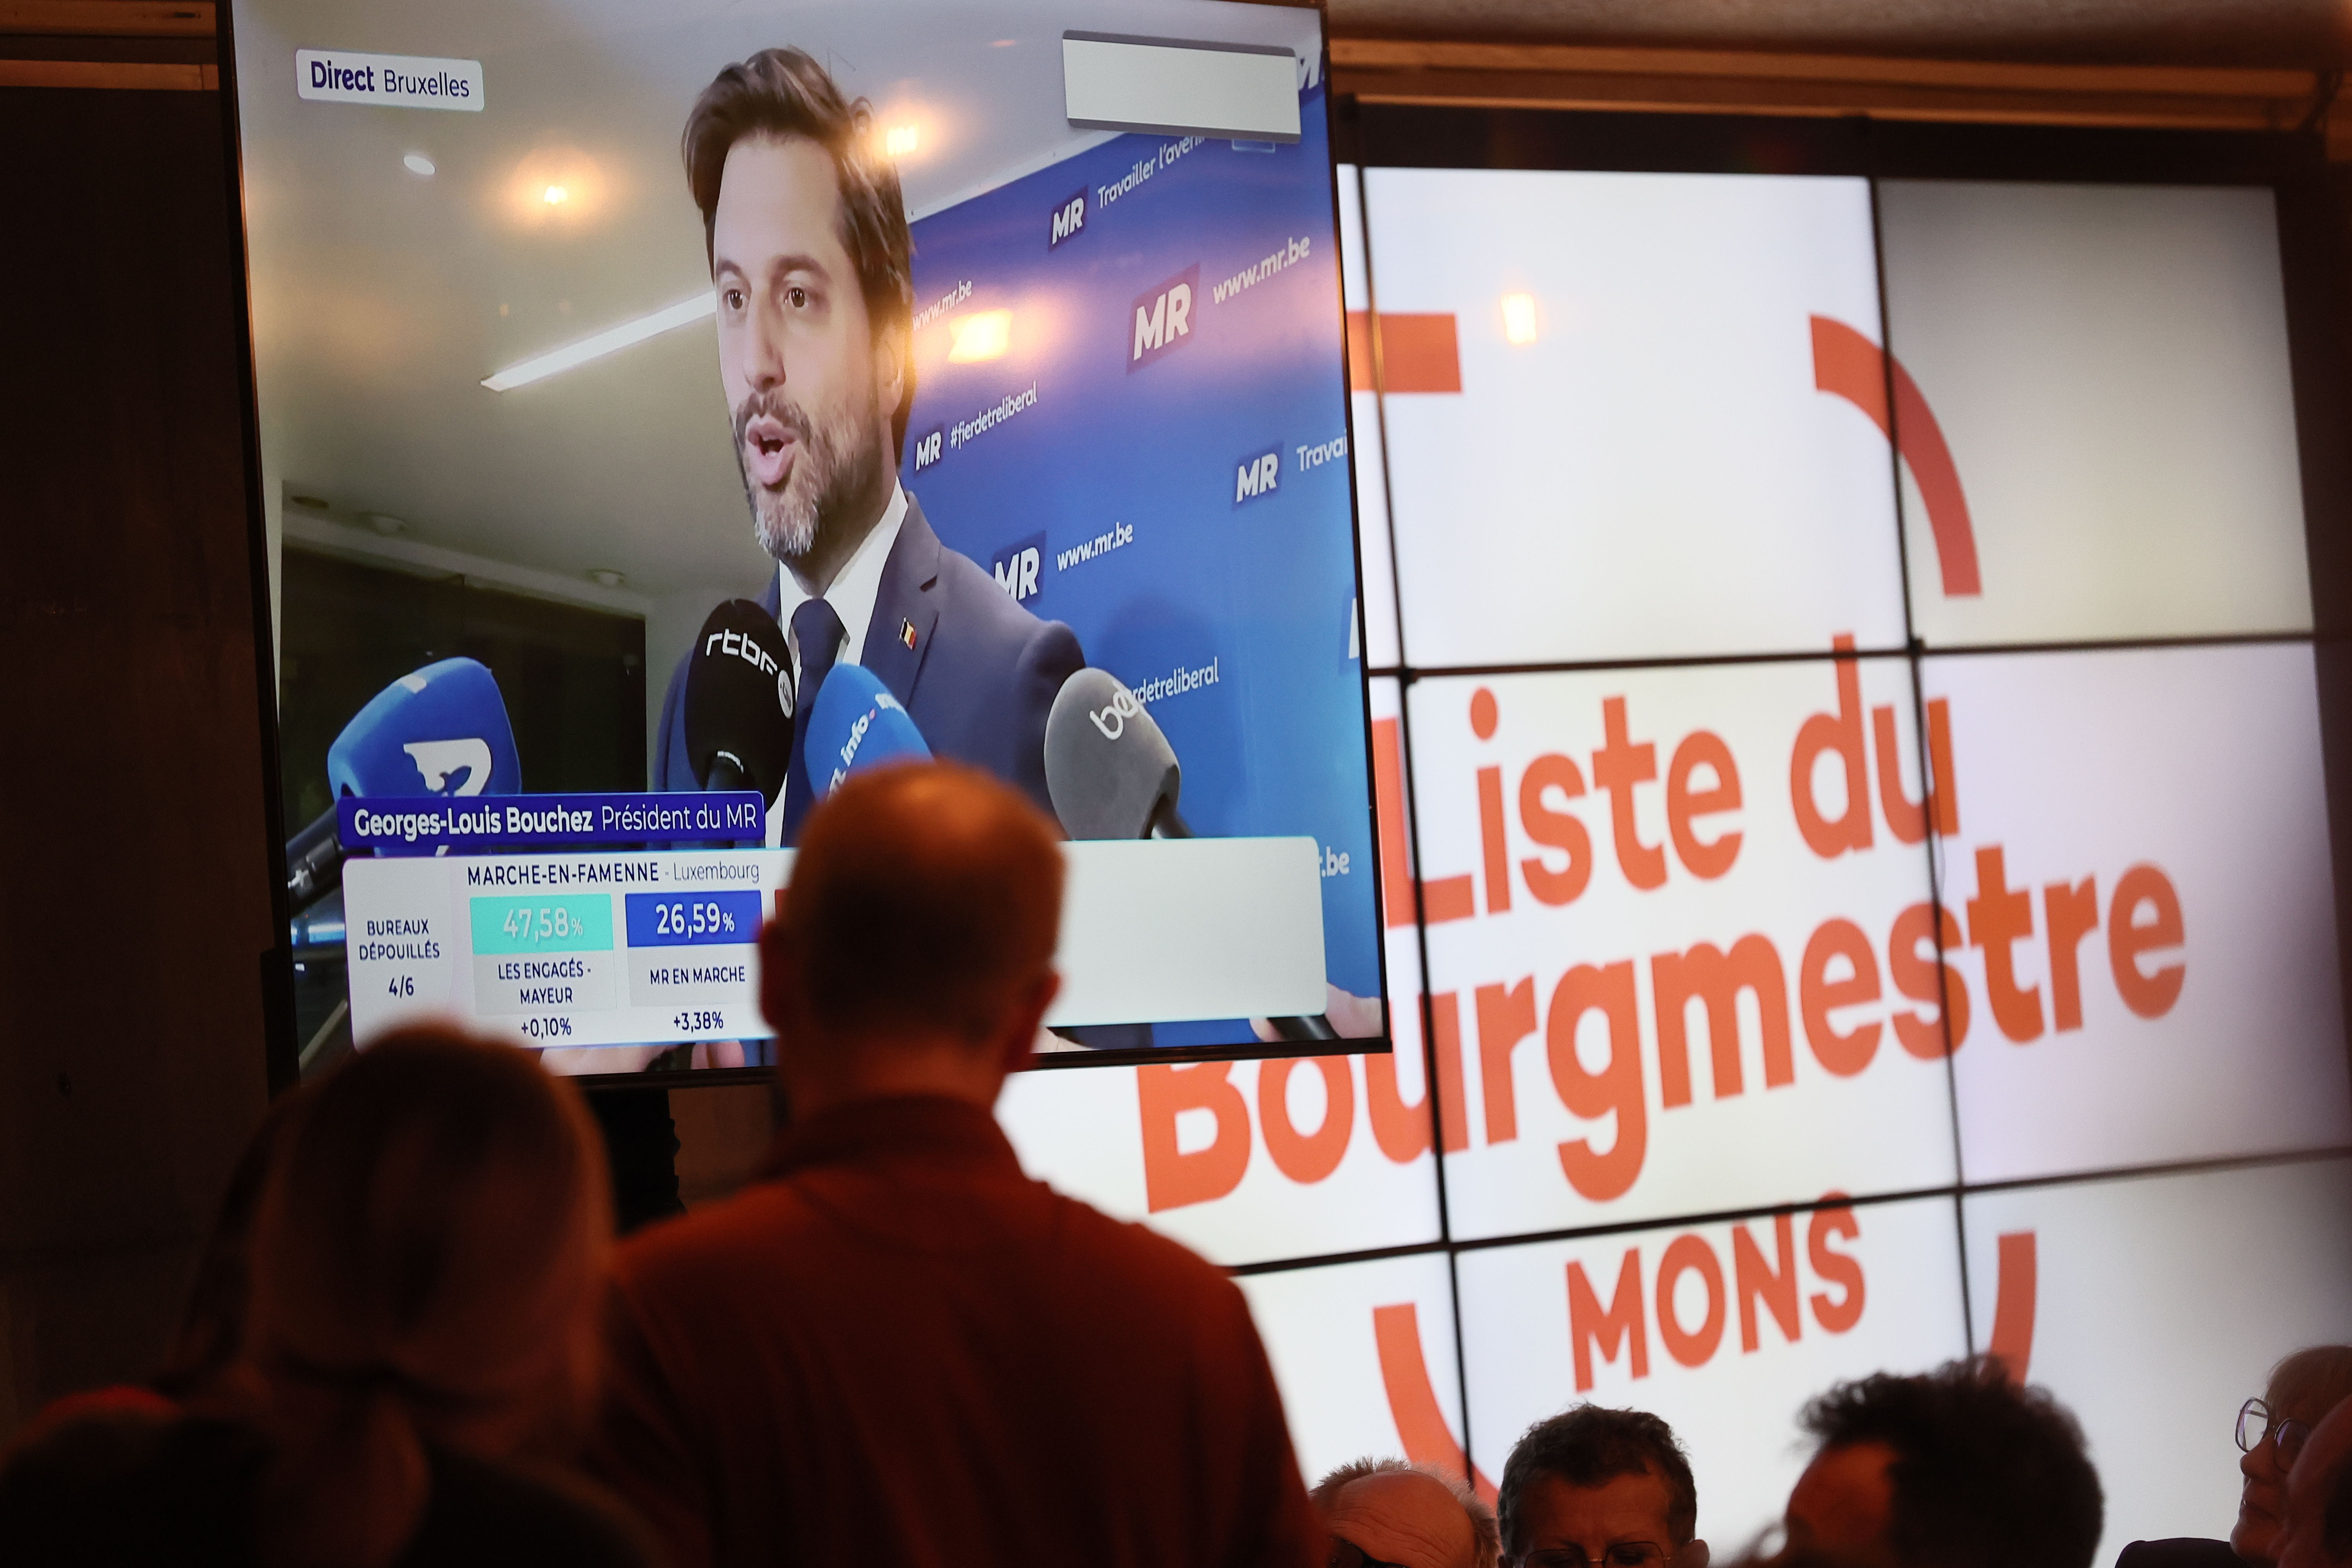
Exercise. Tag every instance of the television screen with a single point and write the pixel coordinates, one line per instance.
(666, 414)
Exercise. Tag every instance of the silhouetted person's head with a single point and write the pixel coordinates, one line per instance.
(1387, 1511)
(1611, 1487)
(2318, 1524)
(914, 950)
(2272, 1430)
(1954, 1468)
(427, 1264)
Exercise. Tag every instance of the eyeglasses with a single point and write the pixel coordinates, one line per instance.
(1619, 1554)
(2256, 1423)
(1348, 1554)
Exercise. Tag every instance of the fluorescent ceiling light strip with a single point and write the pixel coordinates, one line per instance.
(684, 313)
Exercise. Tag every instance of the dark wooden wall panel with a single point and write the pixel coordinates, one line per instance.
(135, 856)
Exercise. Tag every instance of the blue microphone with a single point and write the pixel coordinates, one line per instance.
(855, 724)
(441, 730)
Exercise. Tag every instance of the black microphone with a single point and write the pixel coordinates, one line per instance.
(1112, 774)
(1109, 770)
(739, 702)
(314, 862)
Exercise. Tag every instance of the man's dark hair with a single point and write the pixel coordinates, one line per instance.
(784, 92)
(1590, 1446)
(1986, 1474)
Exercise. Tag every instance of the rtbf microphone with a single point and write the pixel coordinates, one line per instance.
(739, 702)
(442, 730)
(856, 724)
(1109, 770)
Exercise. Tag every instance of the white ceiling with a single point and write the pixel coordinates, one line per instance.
(382, 298)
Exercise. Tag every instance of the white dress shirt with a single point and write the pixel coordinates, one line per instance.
(851, 596)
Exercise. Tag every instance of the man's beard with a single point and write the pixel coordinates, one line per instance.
(830, 465)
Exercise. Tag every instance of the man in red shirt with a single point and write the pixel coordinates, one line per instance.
(894, 1347)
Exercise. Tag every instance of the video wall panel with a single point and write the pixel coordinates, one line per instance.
(2100, 420)
(1605, 437)
(1365, 1356)
(2002, 999)
(1685, 963)
(2140, 863)
(2154, 1306)
(1724, 1329)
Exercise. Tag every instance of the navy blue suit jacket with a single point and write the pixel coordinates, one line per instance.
(979, 681)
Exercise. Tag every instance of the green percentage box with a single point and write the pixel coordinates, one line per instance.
(569, 923)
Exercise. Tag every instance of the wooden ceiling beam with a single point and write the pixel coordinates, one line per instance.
(110, 18)
(1385, 70)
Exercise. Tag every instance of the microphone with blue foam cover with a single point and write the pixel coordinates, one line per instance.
(856, 724)
(441, 729)
(739, 702)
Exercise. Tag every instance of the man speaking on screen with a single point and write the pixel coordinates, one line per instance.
(811, 260)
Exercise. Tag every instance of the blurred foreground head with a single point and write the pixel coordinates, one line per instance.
(426, 1262)
(1390, 1511)
(916, 937)
(1955, 1469)
(2318, 1512)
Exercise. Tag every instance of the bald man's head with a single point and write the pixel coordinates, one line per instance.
(1394, 1513)
(925, 898)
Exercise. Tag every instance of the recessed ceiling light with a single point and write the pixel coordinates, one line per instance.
(544, 365)
(1519, 318)
(383, 523)
(419, 163)
(901, 140)
(315, 503)
(605, 577)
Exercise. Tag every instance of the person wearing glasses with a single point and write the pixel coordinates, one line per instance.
(1386, 1514)
(1596, 1488)
(2272, 1431)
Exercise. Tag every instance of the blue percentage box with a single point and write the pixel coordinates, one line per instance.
(693, 919)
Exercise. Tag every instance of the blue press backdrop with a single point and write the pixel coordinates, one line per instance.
(1230, 552)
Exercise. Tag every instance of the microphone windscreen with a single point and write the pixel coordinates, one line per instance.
(442, 730)
(1108, 768)
(855, 724)
(738, 697)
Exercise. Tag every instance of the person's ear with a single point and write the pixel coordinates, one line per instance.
(1694, 1555)
(1018, 1044)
